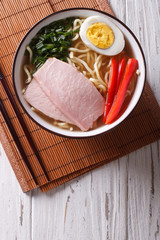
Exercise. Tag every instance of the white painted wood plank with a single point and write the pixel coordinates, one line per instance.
(139, 192)
(154, 222)
(58, 211)
(144, 20)
(15, 206)
(113, 202)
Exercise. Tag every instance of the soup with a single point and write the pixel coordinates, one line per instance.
(90, 61)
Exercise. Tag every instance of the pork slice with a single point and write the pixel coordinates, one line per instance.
(37, 98)
(75, 96)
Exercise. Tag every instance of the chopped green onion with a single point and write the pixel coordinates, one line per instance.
(52, 40)
(77, 30)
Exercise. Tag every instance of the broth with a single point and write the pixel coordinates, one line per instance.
(127, 52)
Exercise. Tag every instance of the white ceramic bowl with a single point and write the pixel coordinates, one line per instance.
(79, 12)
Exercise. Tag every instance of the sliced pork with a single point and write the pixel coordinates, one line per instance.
(71, 92)
(37, 98)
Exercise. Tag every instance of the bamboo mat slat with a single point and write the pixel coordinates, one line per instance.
(63, 158)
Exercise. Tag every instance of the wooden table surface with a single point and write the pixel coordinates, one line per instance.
(119, 201)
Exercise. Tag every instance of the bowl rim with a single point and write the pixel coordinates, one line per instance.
(53, 14)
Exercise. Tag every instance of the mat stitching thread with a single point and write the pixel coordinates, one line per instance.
(21, 11)
(86, 156)
(113, 145)
(7, 55)
(38, 129)
(13, 34)
(52, 170)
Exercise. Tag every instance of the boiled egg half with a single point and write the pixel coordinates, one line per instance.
(102, 36)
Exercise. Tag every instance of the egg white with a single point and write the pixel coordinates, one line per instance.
(115, 48)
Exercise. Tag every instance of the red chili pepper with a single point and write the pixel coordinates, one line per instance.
(131, 68)
(121, 70)
(112, 87)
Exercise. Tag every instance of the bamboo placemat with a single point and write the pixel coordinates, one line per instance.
(64, 158)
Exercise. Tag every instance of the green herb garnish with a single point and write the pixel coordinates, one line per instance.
(52, 40)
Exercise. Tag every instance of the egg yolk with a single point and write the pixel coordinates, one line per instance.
(100, 35)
